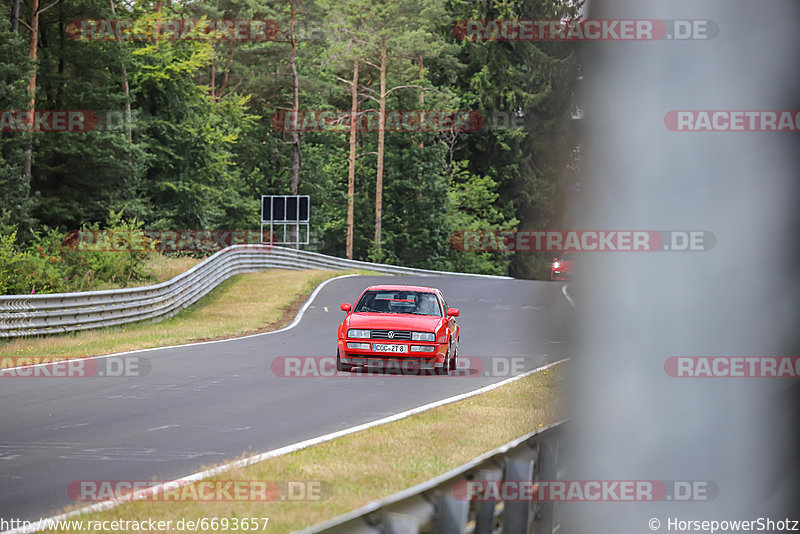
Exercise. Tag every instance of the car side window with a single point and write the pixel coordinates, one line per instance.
(444, 303)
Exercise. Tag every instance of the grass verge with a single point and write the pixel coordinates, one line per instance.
(158, 268)
(244, 304)
(374, 463)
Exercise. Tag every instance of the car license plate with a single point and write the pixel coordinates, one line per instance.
(380, 347)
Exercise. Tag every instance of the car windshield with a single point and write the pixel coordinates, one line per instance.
(399, 301)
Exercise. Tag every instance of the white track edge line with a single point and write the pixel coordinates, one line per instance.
(566, 295)
(298, 316)
(201, 475)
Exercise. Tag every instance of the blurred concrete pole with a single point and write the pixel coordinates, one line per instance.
(631, 419)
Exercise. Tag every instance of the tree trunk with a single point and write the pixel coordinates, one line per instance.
(125, 87)
(213, 81)
(14, 15)
(421, 96)
(221, 91)
(295, 108)
(381, 134)
(295, 183)
(32, 55)
(351, 171)
(158, 23)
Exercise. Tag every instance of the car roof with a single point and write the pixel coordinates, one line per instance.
(402, 288)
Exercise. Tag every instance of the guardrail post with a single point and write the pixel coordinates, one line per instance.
(516, 515)
(548, 465)
(451, 515)
(484, 517)
(400, 523)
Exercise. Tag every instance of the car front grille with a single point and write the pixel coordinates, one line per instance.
(396, 335)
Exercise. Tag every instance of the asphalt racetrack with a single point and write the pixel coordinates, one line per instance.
(208, 403)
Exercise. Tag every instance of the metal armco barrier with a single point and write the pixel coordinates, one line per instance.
(30, 315)
(432, 507)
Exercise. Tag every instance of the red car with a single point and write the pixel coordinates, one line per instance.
(399, 326)
(561, 268)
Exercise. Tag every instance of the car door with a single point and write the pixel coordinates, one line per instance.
(451, 322)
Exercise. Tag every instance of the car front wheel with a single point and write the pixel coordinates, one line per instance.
(342, 366)
(446, 365)
(454, 359)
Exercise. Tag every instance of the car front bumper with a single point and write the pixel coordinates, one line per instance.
(396, 360)
(560, 275)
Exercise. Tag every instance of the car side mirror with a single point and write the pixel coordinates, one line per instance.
(345, 307)
(453, 312)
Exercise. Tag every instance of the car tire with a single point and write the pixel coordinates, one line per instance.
(342, 366)
(454, 359)
(445, 368)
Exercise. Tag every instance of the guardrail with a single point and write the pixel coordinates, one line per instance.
(433, 507)
(30, 315)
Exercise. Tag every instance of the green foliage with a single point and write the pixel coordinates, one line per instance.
(474, 201)
(46, 265)
(535, 81)
(14, 71)
(200, 149)
(9, 262)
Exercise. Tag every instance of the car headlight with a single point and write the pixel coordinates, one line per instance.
(556, 265)
(423, 336)
(422, 348)
(356, 345)
(363, 334)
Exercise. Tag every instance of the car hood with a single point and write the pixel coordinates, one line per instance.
(394, 321)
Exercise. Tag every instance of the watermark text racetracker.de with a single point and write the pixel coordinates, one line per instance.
(44, 367)
(458, 121)
(160, 240)
(733, 366)
(585, 490)
(73, 120)
(694, 120)
(582, 240)
(79, 121)
(466, 366)
(184, 524)
(370, 121)
(92, 491)
(173, 30)
(585, 30)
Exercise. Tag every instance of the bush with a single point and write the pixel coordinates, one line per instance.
(9, 260)
(46, 265)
